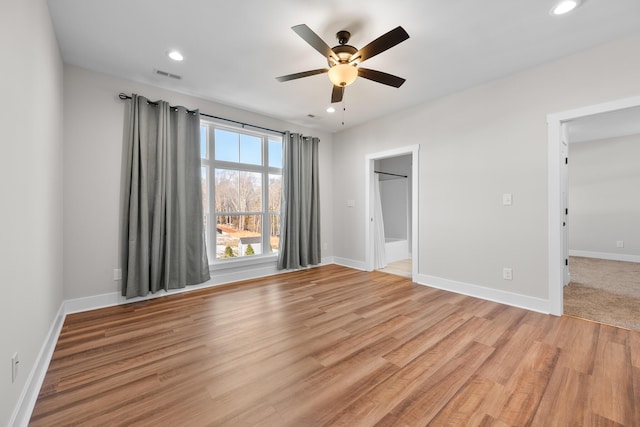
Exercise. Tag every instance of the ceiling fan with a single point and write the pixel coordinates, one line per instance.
(344, 60)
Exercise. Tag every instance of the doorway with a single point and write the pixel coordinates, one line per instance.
(559, 137)
(604, 207)
(392, 192)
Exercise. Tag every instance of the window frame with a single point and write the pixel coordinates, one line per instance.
(211, 164)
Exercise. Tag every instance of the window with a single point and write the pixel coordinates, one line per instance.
(241, 190)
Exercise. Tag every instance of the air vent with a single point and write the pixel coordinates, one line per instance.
(164, 73)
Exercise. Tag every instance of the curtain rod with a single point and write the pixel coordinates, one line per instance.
(124, 96)
(393, 174)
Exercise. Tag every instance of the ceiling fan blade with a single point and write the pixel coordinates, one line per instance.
(315, 41)
(379, 45)
(337, 93)
(301, 75)
(380, 77)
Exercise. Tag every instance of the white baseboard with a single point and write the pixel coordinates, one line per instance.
(517, 300)
(218, 278)
(346, 262)
(605, 255)
(27, 401)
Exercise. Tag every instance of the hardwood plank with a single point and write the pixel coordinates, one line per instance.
(614, 377)
(388, 394)
(336, 346)
(466, 404)
(509, 354)
(571, 391)
(423, 404)
(526, 387)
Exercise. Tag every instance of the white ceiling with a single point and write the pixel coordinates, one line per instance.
(234, 49)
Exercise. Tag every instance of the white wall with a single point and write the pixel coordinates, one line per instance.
(604, 201)
(30, 189)
(93, 148)
(474, 146)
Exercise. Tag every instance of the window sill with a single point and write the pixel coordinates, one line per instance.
(218, 265)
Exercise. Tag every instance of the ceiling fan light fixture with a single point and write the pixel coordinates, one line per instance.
(564, 6)
(343, 74)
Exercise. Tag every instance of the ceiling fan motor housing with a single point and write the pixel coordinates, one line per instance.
(344, 52)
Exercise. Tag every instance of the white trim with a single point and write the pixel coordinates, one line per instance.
(605, 255)
(241, 261)
(115, 298)
(516, 300)
(345, 262)
(27, 401)
(414, 151)
(554, 185)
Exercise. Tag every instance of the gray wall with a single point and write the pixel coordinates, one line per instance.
(30, 189)
(93, 119)
(474, 146)
(604, 196)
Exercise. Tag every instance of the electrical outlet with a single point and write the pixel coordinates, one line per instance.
(507, 273)
(620, 244)
(14, 367)
(117, 274)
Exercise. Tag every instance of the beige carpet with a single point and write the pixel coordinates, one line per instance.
(604, 291)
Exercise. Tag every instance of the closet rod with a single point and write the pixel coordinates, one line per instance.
(124, 96)
(392, 174)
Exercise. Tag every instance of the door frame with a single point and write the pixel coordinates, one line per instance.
(555, 178)
(412, 150)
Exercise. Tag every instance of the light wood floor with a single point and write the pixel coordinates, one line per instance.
(336, 346)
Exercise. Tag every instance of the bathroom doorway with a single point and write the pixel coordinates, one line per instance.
(392, 211)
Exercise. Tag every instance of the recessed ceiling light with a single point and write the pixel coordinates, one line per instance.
(331, 110)
(175, 55)
(565, 6)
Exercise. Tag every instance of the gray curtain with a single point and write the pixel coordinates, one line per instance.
(300, 230)
(162, 236)
(379, 244)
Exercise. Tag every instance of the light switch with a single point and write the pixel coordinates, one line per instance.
(507, 199)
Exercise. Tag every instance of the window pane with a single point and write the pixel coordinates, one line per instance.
(275, 153)
(203, 142)
(226, 144)
(226, 190)
(250, 191)
(250, 150)
(275, 192)
(238, 235)
(238, 191)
